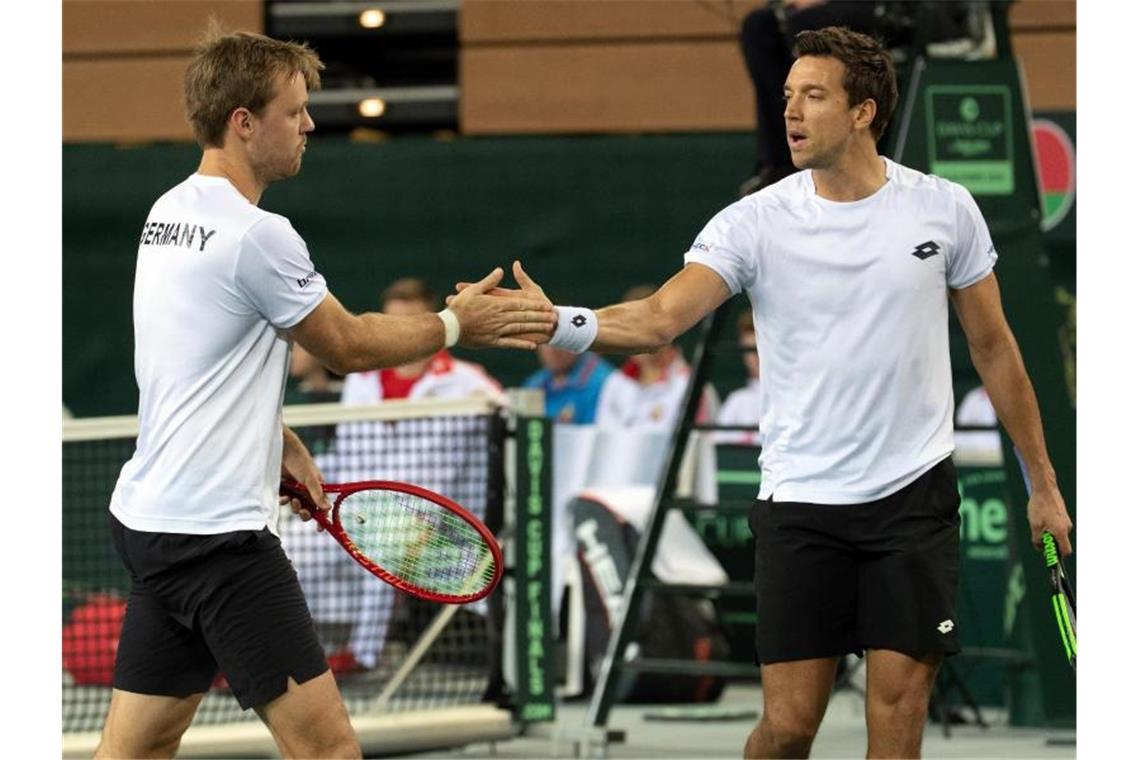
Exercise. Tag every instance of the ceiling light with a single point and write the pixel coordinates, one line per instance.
(371, 108)
(373, 18)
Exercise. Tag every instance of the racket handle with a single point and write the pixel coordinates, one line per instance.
(1049, 544)
(295, 490)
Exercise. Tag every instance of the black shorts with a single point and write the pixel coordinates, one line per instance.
(201, 604)
(833, 579)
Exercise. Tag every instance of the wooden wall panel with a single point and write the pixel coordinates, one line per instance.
(123, 62)
(663, 65)
(117, 27)
(1037, 14)
(1049, 61)
(124, 100)
(644, 87)
(530, 21)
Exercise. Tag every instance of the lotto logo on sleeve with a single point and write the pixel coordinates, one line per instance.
(700, 245)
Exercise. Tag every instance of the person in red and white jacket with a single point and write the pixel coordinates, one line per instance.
(653, 397)
(440, 376)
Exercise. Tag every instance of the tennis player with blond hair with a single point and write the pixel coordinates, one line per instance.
(851, 265)
(222, 290)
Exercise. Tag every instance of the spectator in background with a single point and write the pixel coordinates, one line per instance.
(439, 376)
(742, 406)
(573, 384)
(654, 398)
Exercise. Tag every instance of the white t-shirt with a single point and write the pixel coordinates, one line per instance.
(217, 283)
(851, 312)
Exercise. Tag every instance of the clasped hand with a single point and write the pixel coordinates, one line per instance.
(490, 315)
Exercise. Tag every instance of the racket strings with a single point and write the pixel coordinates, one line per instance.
(418, 541)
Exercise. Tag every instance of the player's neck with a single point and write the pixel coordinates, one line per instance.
(858, 174)
(217, 162)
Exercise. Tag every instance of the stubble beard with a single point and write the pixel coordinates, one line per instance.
(269, 172)
(824, 159)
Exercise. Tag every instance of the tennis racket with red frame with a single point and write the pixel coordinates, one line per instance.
(417, 540)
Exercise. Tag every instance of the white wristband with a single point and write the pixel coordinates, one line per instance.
(577, 329)
(450, 327)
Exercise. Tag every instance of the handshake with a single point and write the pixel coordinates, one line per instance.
(487, 315)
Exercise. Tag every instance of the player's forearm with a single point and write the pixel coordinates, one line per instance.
(634, 327)
(1007, 383)
(293, 449)
(290, 440)
(373, 341)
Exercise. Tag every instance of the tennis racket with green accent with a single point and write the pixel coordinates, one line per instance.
(418, 541)
(1063, 600)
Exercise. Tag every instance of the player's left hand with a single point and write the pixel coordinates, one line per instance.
(1046, 512)
(298, 464)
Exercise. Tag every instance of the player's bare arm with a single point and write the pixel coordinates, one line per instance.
(643, 325)
(346, 342)
(297, 463)
(650, 323)
(997, 358)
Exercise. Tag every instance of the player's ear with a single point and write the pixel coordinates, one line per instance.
(241, 121)
(865, 114)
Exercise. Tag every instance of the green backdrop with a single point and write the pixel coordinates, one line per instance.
(589, 216)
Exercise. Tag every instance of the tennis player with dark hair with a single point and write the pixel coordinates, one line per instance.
(850, 265)
(222, 289)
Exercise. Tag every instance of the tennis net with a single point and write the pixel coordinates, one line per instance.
(391, 653)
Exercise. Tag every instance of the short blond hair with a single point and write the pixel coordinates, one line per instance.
(239, 70)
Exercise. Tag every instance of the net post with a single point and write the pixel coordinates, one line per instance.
(529, 650)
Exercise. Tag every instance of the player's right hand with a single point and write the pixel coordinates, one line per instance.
(501, 317)
(528, 289)
(1046, 512)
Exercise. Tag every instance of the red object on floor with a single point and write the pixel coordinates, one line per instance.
(91, 637)
(343, 661)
